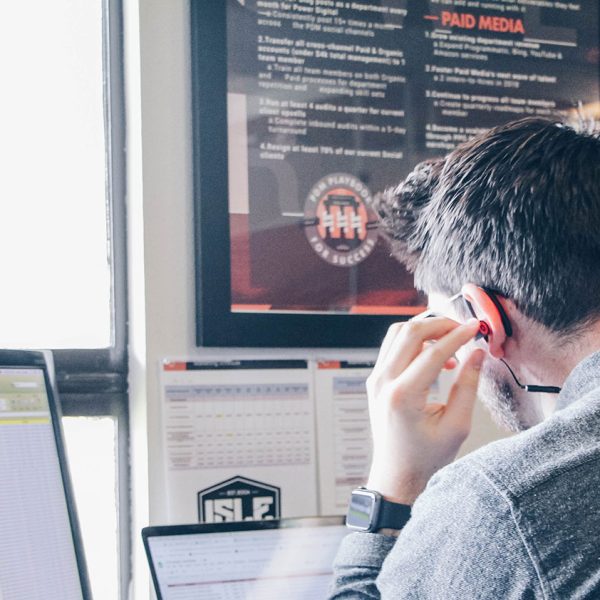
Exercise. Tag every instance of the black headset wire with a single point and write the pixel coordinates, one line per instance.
(544, 389)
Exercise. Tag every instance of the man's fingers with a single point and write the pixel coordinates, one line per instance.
(425, 368)
(408, 344)
(390, 336)
(463, 393)
(450, 364)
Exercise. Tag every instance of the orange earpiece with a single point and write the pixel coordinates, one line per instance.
(492, 326)
(484, 329)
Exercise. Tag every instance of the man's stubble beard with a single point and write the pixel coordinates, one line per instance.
(510, 407)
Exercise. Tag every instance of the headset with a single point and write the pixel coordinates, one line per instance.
(497, 319)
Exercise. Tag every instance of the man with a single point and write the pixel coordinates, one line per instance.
(512, 220)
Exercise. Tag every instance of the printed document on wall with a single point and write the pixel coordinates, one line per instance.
(344, 434)
(239, 440)
(343, 429)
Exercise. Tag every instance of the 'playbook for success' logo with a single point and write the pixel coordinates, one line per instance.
(338, 220)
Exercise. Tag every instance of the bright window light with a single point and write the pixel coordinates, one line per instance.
(53, 240)
(92, 459)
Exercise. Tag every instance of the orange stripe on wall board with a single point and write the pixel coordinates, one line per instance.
(387, 310)
(329, 364)
(174, 366)
(251, 307)
(431, 17)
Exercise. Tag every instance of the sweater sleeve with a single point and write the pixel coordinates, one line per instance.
(462, 541)
(358, 564)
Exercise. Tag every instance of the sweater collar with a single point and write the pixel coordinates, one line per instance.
(583, 378)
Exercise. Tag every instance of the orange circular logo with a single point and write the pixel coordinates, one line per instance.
(339, 223)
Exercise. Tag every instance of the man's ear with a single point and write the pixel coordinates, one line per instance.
(486, 311)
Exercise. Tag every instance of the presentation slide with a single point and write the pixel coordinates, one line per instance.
(331, 102)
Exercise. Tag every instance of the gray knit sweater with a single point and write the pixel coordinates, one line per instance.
(518, 518)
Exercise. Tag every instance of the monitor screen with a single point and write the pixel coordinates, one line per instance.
(303, 112)
(38, 557)
(291, 563)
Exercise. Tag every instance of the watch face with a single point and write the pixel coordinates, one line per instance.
(362, 510)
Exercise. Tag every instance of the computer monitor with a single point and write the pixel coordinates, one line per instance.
(268, 560)
(41, 555)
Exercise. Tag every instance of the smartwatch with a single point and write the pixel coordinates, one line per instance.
(369, 512)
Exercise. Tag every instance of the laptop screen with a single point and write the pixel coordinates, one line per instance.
(37, 550)
(288, 562)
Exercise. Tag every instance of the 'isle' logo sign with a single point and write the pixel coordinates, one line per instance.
(239, 499)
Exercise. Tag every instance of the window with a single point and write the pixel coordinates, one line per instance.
(91, 444)
(63, 241)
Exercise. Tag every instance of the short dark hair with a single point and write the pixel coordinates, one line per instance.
(515, 209)
(399, 209)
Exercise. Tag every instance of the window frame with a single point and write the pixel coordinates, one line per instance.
(93, 382)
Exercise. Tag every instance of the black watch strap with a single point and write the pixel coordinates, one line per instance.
(392, 515)
(370, 512)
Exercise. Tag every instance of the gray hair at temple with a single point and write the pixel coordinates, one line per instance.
(515, 209)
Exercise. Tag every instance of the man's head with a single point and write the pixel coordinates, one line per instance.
(516, 210)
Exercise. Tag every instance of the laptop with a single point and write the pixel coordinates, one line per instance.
(41, 554)
(287, 558)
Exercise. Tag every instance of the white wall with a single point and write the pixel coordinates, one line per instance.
(161, 261)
